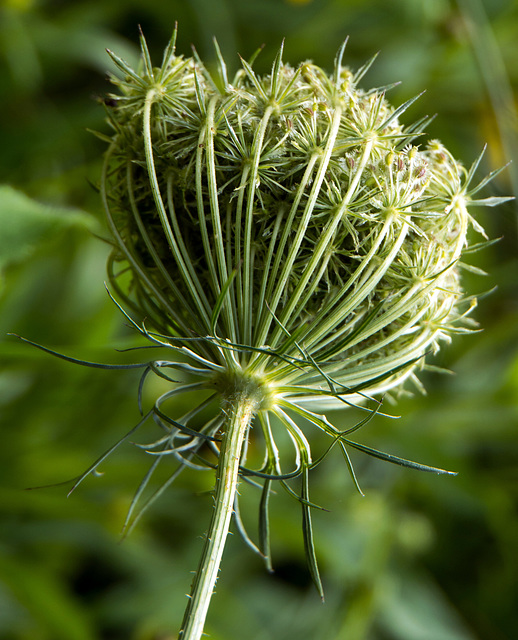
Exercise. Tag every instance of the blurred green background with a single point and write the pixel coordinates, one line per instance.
(419, 557)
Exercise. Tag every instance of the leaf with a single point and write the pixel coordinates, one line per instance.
(169, 53)
(307, 529)
(26, 223)
(487, 180)
(92, 468)
(146, 58)
(240, 526)
(264, 525)
(396, 460)
(83, 363)
(401, 109)
(125, 68)
(364, 68)
(493, 201)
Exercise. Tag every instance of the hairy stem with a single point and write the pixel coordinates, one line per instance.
(240, 411)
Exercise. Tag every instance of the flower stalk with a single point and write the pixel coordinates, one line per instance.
(240, 412)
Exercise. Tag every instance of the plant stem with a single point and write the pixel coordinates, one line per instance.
(240, 411)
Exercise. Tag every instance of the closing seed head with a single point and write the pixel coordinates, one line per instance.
(291, 213)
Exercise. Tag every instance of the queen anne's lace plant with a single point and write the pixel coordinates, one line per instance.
(292, 245)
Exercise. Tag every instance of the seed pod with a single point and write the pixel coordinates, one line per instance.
(285, 214)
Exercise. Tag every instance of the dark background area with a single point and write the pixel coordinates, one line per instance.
(419, 557)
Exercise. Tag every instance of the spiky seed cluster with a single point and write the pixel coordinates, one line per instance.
(289, 213)
(288, 242)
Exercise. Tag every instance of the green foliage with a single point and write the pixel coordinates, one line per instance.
(26, 224)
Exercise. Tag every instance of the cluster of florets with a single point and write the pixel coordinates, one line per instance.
(292, 244)
(290, 213)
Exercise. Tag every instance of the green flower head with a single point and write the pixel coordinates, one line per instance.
(290, 241)
(286, 226)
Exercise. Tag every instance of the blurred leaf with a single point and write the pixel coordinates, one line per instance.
(52, 609)
(415, 609)
(26, 223)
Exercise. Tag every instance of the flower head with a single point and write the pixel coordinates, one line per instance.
(286, 236)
